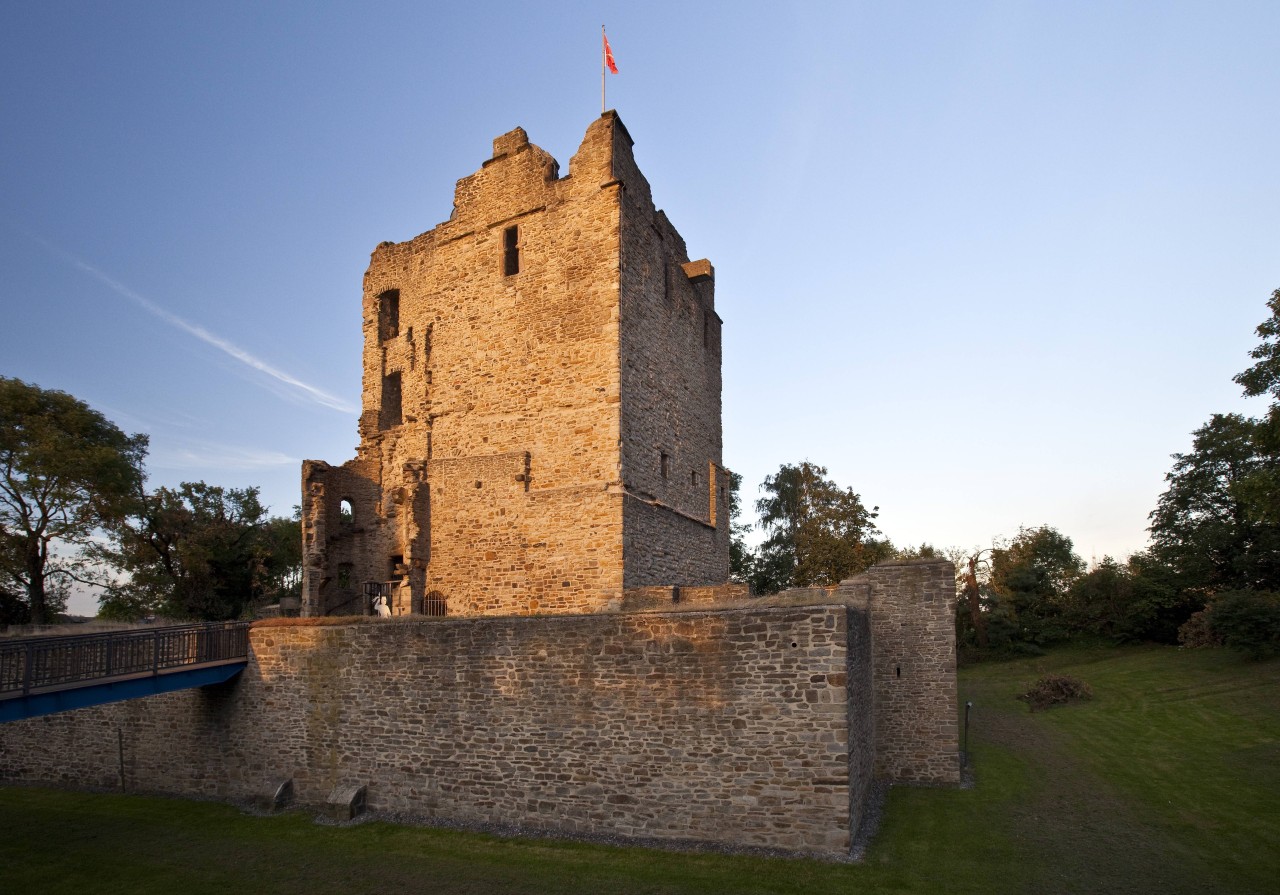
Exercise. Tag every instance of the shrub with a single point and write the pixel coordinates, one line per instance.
(1055, 689)
(1248, 621)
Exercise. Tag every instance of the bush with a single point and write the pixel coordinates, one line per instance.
(1055, 689)
(1248, 621)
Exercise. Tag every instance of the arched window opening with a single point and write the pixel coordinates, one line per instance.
(346, 512)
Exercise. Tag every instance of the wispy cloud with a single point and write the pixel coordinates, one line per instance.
(296, 385)
(209, 455)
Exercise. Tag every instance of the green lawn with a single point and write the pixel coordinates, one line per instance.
(1168, 782)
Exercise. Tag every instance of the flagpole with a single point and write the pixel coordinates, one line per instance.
(602, 107)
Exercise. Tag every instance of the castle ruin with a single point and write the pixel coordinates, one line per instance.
(539, 460)
(541, 403)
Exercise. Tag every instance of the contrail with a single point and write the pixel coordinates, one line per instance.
(317, 395)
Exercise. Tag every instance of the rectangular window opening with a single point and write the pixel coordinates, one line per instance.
(665, 464)
(389, 314)
(389, 414)
(511, 251)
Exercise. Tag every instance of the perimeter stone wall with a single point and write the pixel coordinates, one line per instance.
(911, 605)
(730, 726)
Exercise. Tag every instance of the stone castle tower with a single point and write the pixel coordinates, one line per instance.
(541, 412)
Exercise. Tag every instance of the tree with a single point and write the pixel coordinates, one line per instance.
(1264, 376)
(740, 556)
(819, 533)
(1208, 525)
(1248, 621)
(973, 570)
(1031, 577)
(1260, 489)
(66, 471)
(201, 551)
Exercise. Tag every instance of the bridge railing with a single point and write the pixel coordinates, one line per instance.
(38, 663)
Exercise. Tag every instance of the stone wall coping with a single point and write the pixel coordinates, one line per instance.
(754, 603)
(775, 601)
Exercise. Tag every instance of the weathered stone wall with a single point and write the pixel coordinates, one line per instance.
(911, 605)
(552, 319)
(730, 726)
(668, 547)
(671, 398)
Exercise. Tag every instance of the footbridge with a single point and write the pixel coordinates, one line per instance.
(42, 675)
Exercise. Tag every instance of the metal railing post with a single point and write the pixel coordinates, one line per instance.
(29, 661)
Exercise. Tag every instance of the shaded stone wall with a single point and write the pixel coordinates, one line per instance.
(911, 606)
(731, 726)
(670, 355)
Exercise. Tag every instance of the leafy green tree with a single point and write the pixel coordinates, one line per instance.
(1248, 621)
(1264, 376)
(1102, 600)
(1208, 525)
(1260, 489)
(66, 472)
(1158, 607)
(281, 545)
(818, 532)
(1031, 578)
(740, 555)
(201, 551)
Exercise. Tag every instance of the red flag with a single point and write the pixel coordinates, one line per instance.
(608, 54)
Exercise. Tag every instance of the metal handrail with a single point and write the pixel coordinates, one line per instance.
(39, 663)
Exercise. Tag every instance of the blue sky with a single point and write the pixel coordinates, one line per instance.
(989, 262)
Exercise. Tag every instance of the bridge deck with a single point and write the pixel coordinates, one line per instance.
(41, 675)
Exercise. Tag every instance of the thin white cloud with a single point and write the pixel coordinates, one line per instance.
(318, 396)
(208, 455)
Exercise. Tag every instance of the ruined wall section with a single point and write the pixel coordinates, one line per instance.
(727, 726)
(337, 548)
(676, 513)
(911, 605)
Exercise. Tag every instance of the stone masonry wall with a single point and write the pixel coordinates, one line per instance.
(729, 726)
(558, 320)
(911, 605)
(676, 522)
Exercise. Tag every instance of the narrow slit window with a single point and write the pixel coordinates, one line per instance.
(389, 314)
(664, 463)
(390, 415)
(693, 478)
(511, 251)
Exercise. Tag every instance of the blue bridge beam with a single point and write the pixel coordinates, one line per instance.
(33, 705)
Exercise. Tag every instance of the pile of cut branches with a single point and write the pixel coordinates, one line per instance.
(1055, 689)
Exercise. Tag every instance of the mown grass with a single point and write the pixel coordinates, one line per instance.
(1173, 763)
(1190, 740)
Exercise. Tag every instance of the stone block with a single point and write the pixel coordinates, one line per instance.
(275, 796)
(346, 802)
